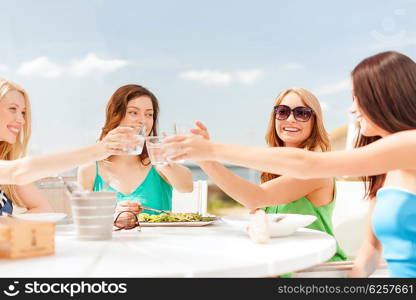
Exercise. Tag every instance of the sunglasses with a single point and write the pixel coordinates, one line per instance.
(300, 113)
(126, 220)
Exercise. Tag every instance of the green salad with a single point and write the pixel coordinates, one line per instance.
(173, 217)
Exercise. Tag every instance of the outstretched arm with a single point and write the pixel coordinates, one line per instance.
(278, 191)
(29, 169)
(390, 153)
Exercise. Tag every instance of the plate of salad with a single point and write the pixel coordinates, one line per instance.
(175, 220)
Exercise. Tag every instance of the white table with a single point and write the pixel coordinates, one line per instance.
(216, 250)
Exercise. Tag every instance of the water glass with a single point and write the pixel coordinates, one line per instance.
(154, 148)
(182, 128)
(139, 132)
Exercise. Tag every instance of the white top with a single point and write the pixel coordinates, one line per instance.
(215, 250)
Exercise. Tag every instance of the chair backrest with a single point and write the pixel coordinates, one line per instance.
(194, 202)
(349, 216)
(54, 191)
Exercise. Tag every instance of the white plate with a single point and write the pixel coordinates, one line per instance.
(49, 217)
(287, 225)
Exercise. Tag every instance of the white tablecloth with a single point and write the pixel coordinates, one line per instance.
(215, 250)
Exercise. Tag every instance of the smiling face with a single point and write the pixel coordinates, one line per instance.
(12, 116)
(291, 131)
(139, 112)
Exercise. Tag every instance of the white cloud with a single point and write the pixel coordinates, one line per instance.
(40, 66)
(213, 77)
(3, 68)
(208, 77)
(334, 88)
(92, 64)
(293, 66)
(248, 77)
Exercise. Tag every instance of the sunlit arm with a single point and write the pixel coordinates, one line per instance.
(29, 169)
(393, 152)
(278, 191)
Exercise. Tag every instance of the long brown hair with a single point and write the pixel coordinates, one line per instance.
(318, 139)
(18, 149)
(385, 89)
(117, 107)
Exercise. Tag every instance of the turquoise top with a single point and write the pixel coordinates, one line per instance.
(394, 224)
(323, 220)
(153, 192)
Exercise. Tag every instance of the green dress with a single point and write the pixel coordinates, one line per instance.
(323, 214)
(153, 192)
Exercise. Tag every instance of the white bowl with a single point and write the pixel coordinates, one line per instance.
(279, 224)
(48, 217)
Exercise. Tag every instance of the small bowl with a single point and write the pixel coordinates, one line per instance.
(279, 224)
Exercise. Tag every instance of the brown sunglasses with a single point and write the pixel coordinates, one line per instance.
(300, 113)
(126, 220)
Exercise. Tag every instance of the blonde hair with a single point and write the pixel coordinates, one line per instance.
(18, 149)
(318, 139)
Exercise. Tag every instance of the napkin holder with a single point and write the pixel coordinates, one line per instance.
(22, 238)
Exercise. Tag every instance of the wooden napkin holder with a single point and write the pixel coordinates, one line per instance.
(22, 239)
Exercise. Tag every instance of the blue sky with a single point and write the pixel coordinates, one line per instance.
(221, 62)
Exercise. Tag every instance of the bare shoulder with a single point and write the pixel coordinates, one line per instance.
(86, 175)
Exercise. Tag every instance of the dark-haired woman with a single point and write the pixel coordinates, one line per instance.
(135, 179)
(384, 102)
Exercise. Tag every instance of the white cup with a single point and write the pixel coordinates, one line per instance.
(93, 214)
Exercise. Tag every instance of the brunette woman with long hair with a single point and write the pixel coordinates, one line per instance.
(134, 178)
(384, 103)
(295, 121)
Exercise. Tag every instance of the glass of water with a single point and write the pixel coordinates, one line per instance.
(154, 148)
(139, 132)
(181, 129)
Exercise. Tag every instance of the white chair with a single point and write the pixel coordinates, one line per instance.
(194, 202)
(349, 223)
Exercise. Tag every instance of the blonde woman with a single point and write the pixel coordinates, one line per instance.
(296, 122)
(17, 172)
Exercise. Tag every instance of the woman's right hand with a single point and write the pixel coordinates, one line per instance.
(116, 141)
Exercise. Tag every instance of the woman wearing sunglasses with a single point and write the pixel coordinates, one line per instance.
(295, 122)
(384, 102)
(18, 172)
